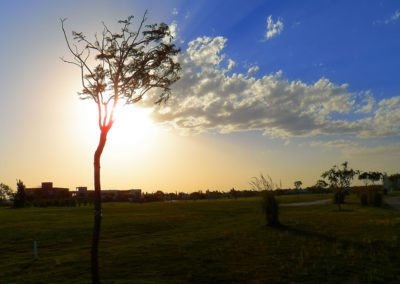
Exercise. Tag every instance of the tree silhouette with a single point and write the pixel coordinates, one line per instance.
(120, 67)
(20, 196)
(340, 180)
(372, 177)
(6, 193)
(298, 184)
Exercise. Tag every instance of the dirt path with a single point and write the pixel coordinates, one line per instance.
(393, 201)
(317, 202)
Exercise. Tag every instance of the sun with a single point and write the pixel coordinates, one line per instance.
(134, 134)
(133, 128)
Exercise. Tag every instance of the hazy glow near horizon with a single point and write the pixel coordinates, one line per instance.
(283, 89)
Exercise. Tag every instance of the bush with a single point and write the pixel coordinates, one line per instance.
(270, 207)
(371, 197)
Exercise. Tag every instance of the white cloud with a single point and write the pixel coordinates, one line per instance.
(253, 69)
(175, 12)
(174, 37)
(395, 17)
(206, 51)
(208, 98)
(231, 64)
(384, 120)
(173, 29)
(273, 28)
(368, 101)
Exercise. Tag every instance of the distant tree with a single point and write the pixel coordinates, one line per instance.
(6, 193)
(364, 176)
(233, 193)
(20, 196)
(370, 196)
(120, 68)
(340, 180)
(298, 184)
(269, 203)
(375, 177)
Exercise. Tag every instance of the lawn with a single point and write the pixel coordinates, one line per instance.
(221, 241)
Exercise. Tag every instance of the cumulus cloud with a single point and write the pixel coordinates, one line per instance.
(273, 28)
(209, 98)
(368, 102)
(175, 12)
(253, 69)
(231, 64)
(384, 120)
(205, 51)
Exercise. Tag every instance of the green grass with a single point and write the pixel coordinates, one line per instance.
(295, 198)
(222, 241)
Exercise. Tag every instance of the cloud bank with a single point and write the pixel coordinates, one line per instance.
(212, 97)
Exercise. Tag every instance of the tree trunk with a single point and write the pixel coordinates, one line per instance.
(97, 207)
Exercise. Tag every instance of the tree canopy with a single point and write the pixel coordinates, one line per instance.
(124, 65)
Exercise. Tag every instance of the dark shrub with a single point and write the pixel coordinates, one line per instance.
(270, 207)
(371, 196)
(20, 196)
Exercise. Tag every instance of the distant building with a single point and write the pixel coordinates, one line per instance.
(47, 191)
(81, 192)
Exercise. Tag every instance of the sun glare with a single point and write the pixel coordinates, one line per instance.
(133, 130)
(133, 127)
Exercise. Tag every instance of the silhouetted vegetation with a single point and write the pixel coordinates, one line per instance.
(340, 180)
(6, 194)
(269, 204)
(20, 196)
(298, 184)
(120, 68)
(371, 195)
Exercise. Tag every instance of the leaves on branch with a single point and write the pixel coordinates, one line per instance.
(125, 65)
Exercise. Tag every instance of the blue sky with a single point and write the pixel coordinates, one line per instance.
(351, 42)
(267, 86)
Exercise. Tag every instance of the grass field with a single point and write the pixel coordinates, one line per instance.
(222, 241)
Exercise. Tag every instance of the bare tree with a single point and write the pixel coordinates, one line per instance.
(120, 67)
